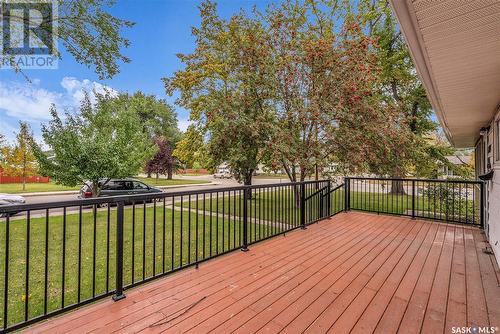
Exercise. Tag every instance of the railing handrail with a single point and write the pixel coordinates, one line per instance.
(414, 179)
(141, 197)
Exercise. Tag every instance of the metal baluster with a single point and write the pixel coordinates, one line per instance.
(63, 280)
(27, 277)
(94, 246)
(6, 274)
(244, 247)
(143, 239)
(119, 253)
(154, 236)
(133, 242)
(189, 229)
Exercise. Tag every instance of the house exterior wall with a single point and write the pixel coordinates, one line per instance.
(488, 159)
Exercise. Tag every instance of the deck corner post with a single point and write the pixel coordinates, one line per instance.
(303, 205)
(347, 194)
(328, 198)
(119, 253)
(246, 197)
(412, 199)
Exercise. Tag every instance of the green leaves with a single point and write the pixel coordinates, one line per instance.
(90, 34)
(104, 140)
(224, 84)
(304, 85)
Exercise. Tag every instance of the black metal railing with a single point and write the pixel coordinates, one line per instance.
(61, 255)
(58, 256)
(453, 201)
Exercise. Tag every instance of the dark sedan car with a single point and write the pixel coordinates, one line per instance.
(118, 187)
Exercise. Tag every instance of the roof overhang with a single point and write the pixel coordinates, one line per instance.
(455, 45)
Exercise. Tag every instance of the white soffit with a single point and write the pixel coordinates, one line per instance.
(455, 45)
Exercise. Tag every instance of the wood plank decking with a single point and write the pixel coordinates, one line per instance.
(354, 273)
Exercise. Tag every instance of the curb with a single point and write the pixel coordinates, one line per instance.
(74, 192)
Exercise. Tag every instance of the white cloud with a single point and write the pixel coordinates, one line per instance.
(76, 89)
(26, 101)
(30, 102)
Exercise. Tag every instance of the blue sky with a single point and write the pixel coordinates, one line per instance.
(163, 29)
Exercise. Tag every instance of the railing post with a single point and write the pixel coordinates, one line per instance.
(328, 204)
(303, 205)
(347, 194)
(244, 246)
(412, 199)
(119, 253)
(482, 204)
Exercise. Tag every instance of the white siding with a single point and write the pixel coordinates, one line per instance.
(492, 229)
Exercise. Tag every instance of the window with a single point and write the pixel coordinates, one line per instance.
(140, 185)
(127, 185)
(111, 185)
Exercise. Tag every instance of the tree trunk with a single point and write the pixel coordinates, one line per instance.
(397, 187)
(169, 173)
(95, 189)
(247, 181)
(157, 176)
(149, 174)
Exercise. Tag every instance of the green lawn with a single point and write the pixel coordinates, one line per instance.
(281, 205)
(460, 209)
(214, 235)
(278, 206)
(17, 188)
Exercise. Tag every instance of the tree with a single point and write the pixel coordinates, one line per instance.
(19, 159)
(87, 31)
(104, 140)
(159, 123)
(163, 162)
(325, 76)
(191, 149)
(401, 87)
(226, 88)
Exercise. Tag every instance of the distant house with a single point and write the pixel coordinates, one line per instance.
(458, 161)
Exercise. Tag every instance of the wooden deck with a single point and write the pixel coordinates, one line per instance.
(355, 273)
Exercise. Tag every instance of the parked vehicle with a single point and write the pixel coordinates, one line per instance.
(222, 174)
(8, 199)
(118, 187)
